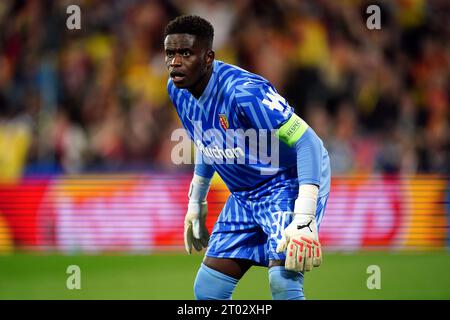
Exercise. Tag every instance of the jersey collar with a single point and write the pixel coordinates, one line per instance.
(209, 88)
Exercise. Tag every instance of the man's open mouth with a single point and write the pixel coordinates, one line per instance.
(177, 76)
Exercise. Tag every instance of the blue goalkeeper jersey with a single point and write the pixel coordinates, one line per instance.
(233, 127)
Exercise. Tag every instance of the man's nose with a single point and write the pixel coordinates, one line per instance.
(176, 60)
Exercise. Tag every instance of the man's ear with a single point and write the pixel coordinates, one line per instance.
(210, 55)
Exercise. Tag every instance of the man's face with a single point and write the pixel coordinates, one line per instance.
(187, 59)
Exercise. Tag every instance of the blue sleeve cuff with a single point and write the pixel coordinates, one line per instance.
(309, 158)
(204, 170)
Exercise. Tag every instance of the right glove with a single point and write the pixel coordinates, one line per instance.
(301, 240)
(195, 232)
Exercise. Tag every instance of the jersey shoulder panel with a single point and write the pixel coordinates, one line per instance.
(229, 79)
(258, 101)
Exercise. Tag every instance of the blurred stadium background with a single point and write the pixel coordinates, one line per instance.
(86, 176)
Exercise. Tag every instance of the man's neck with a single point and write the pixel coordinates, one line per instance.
(198, 89)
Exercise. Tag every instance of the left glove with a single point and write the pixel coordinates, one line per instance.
(195, 232)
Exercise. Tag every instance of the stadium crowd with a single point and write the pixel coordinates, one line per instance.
(95, 98)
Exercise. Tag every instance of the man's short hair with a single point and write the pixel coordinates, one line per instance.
(193, 25)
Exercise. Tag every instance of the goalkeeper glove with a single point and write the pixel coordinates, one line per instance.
(195, 232)
(300, 238)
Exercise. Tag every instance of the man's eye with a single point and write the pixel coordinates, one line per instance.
(186, 54)
(169, 55)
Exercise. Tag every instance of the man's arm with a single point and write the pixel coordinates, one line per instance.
(301, 238)
(202, 168)
(195, 232)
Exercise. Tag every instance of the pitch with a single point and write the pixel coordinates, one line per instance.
(171, 276)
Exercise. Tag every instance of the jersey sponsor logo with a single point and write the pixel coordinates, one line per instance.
(218, 153)
(224, 121)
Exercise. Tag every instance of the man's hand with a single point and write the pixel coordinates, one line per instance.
(195, 232)
(301, 240)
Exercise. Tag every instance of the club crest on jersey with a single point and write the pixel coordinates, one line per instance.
(224, 121)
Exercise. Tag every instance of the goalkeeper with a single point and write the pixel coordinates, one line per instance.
(272, 216)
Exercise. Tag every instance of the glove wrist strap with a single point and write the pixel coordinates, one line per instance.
(198, 189)
(306, 203)
(195, 207)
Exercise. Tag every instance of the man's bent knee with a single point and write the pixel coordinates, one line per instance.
(213, 285)
(284, 284)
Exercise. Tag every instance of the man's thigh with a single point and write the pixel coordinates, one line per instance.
(236, 237)
(235, 268)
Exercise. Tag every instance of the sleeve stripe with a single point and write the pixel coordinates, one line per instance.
(292, 130)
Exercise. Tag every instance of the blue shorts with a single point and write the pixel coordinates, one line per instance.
(251, 229)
